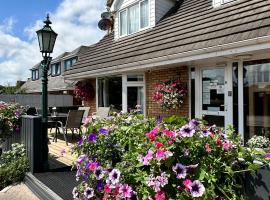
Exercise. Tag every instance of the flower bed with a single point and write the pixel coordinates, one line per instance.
(9, 119)
(13, 165)
(129, 157)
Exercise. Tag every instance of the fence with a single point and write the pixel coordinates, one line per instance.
(34, 100)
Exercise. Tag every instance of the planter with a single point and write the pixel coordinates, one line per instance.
(257, 184)
(7, 142)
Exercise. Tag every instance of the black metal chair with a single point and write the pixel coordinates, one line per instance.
(73, 122)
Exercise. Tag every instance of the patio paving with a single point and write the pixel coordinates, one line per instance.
(17, 192)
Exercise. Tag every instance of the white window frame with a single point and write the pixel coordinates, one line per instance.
(35, 74)
(125, 85)
(53, 71)
(127, 19)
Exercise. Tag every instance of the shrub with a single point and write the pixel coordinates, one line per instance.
(129, 157)
(259, 142)
(13, 165)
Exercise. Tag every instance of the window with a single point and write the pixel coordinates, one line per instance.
(56, 69)
(134, 18)
(217, 3)
(35, 74)
(70, 62)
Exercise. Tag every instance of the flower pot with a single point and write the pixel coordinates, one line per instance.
(257, 184)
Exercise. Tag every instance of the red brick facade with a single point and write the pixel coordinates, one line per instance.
(157, 76)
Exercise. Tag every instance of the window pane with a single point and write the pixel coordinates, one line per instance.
(135, 78)
(144, 14)
(134, 18)
(213, 89)
(74, 60)
(256, 99)
(58, 69)
(123, 23)
(135, 98)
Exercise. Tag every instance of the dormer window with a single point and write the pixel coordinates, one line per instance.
(134, 18)
(35, 75)
(56, 69)
(217, 3)
(70, 62)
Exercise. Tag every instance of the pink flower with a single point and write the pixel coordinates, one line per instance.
(227, 145)
(187, 183)
(151, 135)
(168, 133)
(148, 157)
(160, 153)
(93, 166)
(125, 191)
(160, 196)
(207, 148)
(107, 189)
(267, 155)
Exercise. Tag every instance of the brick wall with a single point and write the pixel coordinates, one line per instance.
(152, 78)
(91, 103)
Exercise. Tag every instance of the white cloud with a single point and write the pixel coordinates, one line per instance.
(75, 21)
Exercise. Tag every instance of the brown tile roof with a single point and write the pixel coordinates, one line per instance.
(194, 25)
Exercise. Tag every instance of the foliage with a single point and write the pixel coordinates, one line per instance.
(259, 142)
(84, 90)
(9, 118)
(13, 165)
(170, 94)
(129, 157)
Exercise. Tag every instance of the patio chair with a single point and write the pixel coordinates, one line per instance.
(73, 122)
(102, 112)
(85, 114)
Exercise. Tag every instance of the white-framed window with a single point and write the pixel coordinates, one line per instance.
(217, 3)
(35, 74)
(70, 62)
(55, 69)
(134, 18)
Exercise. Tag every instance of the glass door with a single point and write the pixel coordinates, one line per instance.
(212, 98)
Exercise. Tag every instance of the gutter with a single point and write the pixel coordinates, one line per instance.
(255, 44)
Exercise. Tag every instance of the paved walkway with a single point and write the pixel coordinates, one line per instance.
(17, 192)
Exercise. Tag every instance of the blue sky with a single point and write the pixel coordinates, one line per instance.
(26, 12)
(75, 21)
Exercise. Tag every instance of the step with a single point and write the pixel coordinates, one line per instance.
(40, 189)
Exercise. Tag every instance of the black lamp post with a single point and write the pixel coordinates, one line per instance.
(46, 39)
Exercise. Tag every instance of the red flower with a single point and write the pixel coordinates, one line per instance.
(152, 134)
(159, 145)
(107, 189)
(219, 143)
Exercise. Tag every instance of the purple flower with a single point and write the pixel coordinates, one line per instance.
(267, 155)
(125, 191)
(100, 185)
(206, 133)
(99, 173)
(196, 189)
(159, 120)
(92, 137)
(104, 131)
(80, 142)
(81, 159)
(180, 170)
(114, 176)
(194, 123)
(75, 193)
(187, 131)
(88, 193)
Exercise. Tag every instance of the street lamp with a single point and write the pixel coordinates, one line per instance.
(46, 40)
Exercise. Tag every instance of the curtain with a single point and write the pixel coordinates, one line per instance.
(144, 14)
(123, 23)
(134, 18)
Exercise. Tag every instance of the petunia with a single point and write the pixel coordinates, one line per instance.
(206, 133)
(168, 133)
(125, 191)
(100, 185)
(197, 189)
(148, 157)
(75, 193)
(187, 131)
(107, 189)
(194, 123)
(82, 158)
(158, 145)
(207, 148)
(114, 176)
(152, 134)
(267, 155)
(187, 183)
(104, 131)
(227, 145)
(92, 137)
(92, 165)
(180, 170)
(98, 173)
(88, 193)
(160, 196)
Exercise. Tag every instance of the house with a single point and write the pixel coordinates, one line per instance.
(219, 48)
(56, 82)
